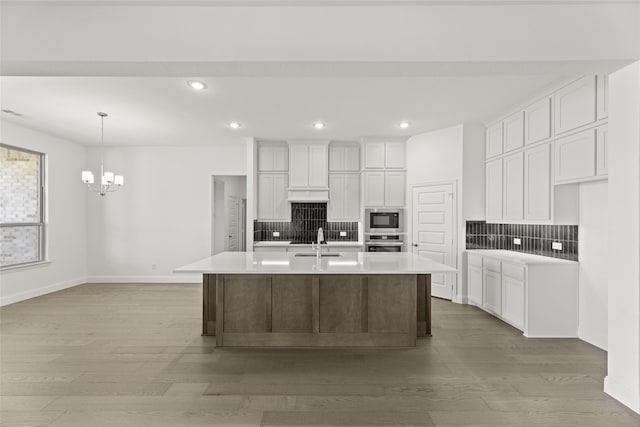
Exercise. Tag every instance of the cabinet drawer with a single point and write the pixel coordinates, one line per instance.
(492, 265)
(515, 271)
(474, 260)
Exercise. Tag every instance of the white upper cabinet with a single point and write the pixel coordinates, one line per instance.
(374, 153)
(394, 155)
(273, 158)
(494, 190)
(272, 197)
(602, 150)
(513, 184)
(537, 121)
(344, 197)
(344, 157)
(602, 96)
(394, 189)
(494, 140)
(513, 128)
(308, 165)
(374, 188)
(575, 105)
(575, 157)
(537, 184)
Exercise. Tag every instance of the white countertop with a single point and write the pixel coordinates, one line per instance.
(280, 243)
(519, 257)
(288, 263)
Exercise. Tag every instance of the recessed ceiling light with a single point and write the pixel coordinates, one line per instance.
(319, 125)
(196, 85)
(234, 125)
(404, 125)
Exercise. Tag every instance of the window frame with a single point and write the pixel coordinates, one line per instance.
(42, 225)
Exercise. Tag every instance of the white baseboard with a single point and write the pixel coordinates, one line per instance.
(622, 393)
(32, 293)
(590, 341)
(186, 278)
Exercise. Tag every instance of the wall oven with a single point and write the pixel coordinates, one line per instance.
(383, 221)
(384, 243)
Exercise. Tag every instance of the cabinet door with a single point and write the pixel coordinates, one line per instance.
(352, 158)
(537, 121)
(318, 165)
(494, 140)
(374, 189)
(299, 165)
(575, 104)
(492, 292)
(374, 155)
(537, 183)
(352, 197)
(394, 155)
(513, 301)
(337, 158)
(336, 205)
(576, 157)
(266, 158)
(602, 95)
(394, 189)
(474, 282)
(602, 151)
(280, 193)
(266, 205)
(513, 132)
(513, 184)
(494, 190)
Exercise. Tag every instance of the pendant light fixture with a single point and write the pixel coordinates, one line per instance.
(108, 182)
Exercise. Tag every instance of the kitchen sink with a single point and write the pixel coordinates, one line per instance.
(310, 254)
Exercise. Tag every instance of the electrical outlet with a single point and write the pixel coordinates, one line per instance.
(154, 266)
(517, 241)
(556, 246)
(343, 234)
(276, 234)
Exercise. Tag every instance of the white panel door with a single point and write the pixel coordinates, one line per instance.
(394, 157)
(374, 155)
(537, 121)
(352, 197)
(337, 197)
(575, 104)
(433, 231)
(373, 189)
(576, 156)
(493, 292)
(537, 183)
(394, 189)
(298, 165)
(318, 165)
(234, 222)
(494, 140)
(602, 151)
(280, 193)
(493, 193)
(513, 184)
(513, 132)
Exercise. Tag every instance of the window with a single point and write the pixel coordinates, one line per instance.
(21, 207)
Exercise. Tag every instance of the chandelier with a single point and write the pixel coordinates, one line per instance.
(108, 183)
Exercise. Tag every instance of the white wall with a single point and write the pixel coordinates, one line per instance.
(452, 154)
(66, 218)
(623, 376)
(161, 216)
(594, 272)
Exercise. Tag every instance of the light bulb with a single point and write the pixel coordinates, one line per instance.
(118, 180)
(234, 125)
(404, 125)
(87, 177)
(196, 85)
(108, 176)
(319, 125)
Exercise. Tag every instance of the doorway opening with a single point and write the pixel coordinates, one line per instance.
(229, 213)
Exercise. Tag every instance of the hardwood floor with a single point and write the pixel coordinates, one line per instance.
(132, 355)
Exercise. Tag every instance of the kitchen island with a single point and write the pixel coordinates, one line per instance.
(275, 299)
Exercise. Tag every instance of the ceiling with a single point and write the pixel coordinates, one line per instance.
(276, 67)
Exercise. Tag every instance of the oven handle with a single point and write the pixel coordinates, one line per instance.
(384, 243)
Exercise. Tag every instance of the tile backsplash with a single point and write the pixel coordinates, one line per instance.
(306, 218)
(535, 238)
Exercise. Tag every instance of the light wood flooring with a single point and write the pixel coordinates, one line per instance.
(132, 355)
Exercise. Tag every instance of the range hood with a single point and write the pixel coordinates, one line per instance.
(308, 195)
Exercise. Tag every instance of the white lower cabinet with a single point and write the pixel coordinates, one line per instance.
(534, 295)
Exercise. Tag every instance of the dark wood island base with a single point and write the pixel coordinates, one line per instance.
(316, 310)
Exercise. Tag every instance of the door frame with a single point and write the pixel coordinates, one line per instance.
(455, 296)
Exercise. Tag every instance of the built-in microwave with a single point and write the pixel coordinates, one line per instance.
(383, 221)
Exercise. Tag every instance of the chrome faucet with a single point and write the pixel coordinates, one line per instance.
(317, 247)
